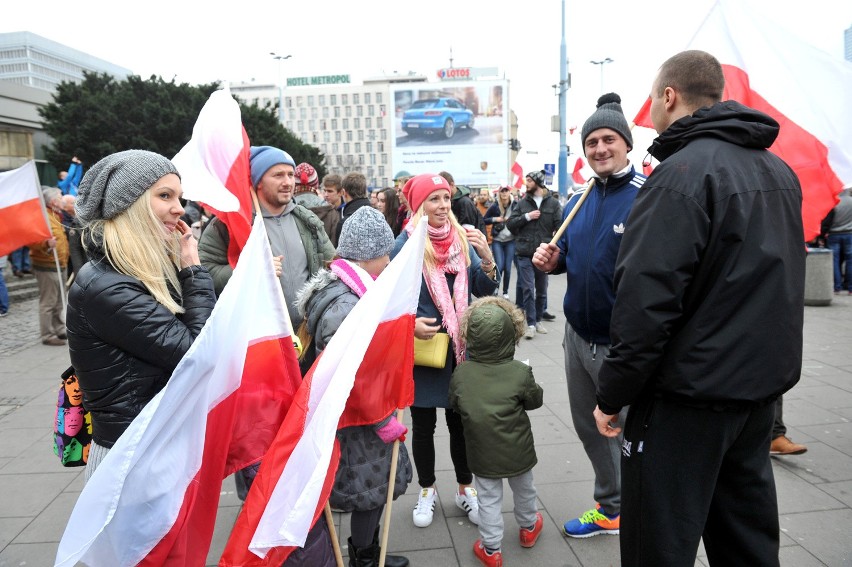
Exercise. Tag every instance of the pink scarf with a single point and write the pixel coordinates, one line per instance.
(449, 259)
(353, 275)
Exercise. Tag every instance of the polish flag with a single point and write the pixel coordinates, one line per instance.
(805, 89)
(366, 370)
(215, 170)
(154, 497)
(519, 172)
(22, 215)
(576, 175)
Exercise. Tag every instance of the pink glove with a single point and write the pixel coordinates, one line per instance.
(392, 430)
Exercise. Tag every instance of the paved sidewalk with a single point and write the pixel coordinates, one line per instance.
(814, 489)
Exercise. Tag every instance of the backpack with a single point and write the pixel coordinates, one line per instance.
(72, 424)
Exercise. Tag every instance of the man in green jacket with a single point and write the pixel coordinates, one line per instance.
(298, 239)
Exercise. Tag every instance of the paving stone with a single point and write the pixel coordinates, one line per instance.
(27, 495)
(28, 555)
(820, 464)
(825, 535)
(835, 435)
(840, 490)
(799, 557)
(49, 525)
(11, 527)
(797, 495)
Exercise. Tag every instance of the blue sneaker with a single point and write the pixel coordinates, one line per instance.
(592, 523)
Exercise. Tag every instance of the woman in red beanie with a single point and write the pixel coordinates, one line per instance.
(457, 263)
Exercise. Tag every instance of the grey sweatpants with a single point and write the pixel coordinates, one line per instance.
(490, 495)
(583, 362)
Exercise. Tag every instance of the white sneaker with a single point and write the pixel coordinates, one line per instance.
(425, 508)
(539, 328)
(505, 296)
(469, 503)
(530, 332)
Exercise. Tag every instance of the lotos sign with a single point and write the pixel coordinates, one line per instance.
(454, 73)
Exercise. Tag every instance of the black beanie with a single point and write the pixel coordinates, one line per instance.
(608, 115)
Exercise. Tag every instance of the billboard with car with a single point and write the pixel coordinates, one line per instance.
(461, 127)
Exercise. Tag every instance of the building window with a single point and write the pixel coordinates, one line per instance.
(348, 111)
(323, 124)
(360, 134)
(322, 100)
(379, 98)
(332, 99)
(384, 134)
(300, 101)
(372, 159)
(337, 112)
(337, 136)
(360, 160)
(359, 110)
(380, 146)
(346, 147)
(349, 135)
(371, 110)
(312, 124)
(334, 123)
(369, 146)
(334, 148)
(314, 137)
(344, 99)
(345, 123)
(288, 102)
(384, 159)
(325, 112)
(300, 125)
(357, 147)
(314, 112)
(381, 171)
(326, 136)
(380, 122)
(303, 112)
(355, 98)
(368, 122)
(356, 123)
(366, 98)
(310, 100)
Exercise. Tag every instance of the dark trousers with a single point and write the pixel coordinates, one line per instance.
(778, 427)
(689, 473)
(504, 255)
(533, 285)
(423, 422)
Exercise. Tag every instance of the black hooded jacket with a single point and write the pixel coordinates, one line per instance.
(710, 274)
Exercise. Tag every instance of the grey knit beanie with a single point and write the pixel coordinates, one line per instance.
(115, 182)
(365, 235)
(608, 115)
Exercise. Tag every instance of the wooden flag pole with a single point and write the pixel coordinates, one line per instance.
(573, 212)
(329, 519)
(391, 484)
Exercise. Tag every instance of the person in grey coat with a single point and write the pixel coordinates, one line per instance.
(361, 483)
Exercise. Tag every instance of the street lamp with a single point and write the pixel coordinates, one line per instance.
(280, 58)
(602, 62)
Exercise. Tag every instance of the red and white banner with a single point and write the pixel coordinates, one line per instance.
(805, 89)
(154, 497)
(576, 175)
(22, 216)
(215, 170)
(519, 173)
(366, 369)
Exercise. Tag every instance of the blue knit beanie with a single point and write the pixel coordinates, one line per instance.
(262, 158)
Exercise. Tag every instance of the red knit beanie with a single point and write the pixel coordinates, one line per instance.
(419, 187)
(306, 175)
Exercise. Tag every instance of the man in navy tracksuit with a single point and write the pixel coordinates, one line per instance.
(587, 251)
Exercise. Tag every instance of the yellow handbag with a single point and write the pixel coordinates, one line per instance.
(432, 352)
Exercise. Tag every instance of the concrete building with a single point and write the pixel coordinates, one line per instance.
(349, 123)
(31, 67)
(847, 43)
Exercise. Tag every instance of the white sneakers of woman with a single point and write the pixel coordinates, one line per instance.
(469, 503)
(425, 508)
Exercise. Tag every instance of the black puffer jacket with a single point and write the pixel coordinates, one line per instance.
(124, 344)
(529, 234)
(711, 270)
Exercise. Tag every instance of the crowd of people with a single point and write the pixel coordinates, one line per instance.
(663, 346)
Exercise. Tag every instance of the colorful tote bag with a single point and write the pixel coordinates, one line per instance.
(72, 424)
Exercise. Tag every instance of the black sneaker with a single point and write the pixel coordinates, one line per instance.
(548, 317)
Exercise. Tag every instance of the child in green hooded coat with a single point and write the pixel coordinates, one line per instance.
(492, 393)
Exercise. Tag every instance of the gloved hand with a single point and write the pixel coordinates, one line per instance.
(392, 430)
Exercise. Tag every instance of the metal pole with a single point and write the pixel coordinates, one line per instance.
(601, 64)
(563, 86)
(280, 58)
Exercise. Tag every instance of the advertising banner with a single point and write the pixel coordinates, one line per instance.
(460, 127)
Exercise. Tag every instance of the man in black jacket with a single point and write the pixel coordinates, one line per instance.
(354, 195)
(712, 258)
(534, 221)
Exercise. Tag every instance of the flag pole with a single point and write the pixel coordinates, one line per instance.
(391, 484)
(573, 212)
(329, 519)
(55, 255)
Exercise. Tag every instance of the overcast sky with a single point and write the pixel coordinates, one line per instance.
(203, 42)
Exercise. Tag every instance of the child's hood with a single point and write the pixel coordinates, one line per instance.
(490, 334)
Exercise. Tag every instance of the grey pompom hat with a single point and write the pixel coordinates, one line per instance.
(117, 181)
(365, 235)
(608, 115)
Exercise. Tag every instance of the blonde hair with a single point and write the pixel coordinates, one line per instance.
(133, 244)
(429, 250)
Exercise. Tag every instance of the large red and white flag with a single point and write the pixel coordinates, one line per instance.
(215, 170)
(22, 216)
(805, 89)
(366, 369)
(154, 497)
